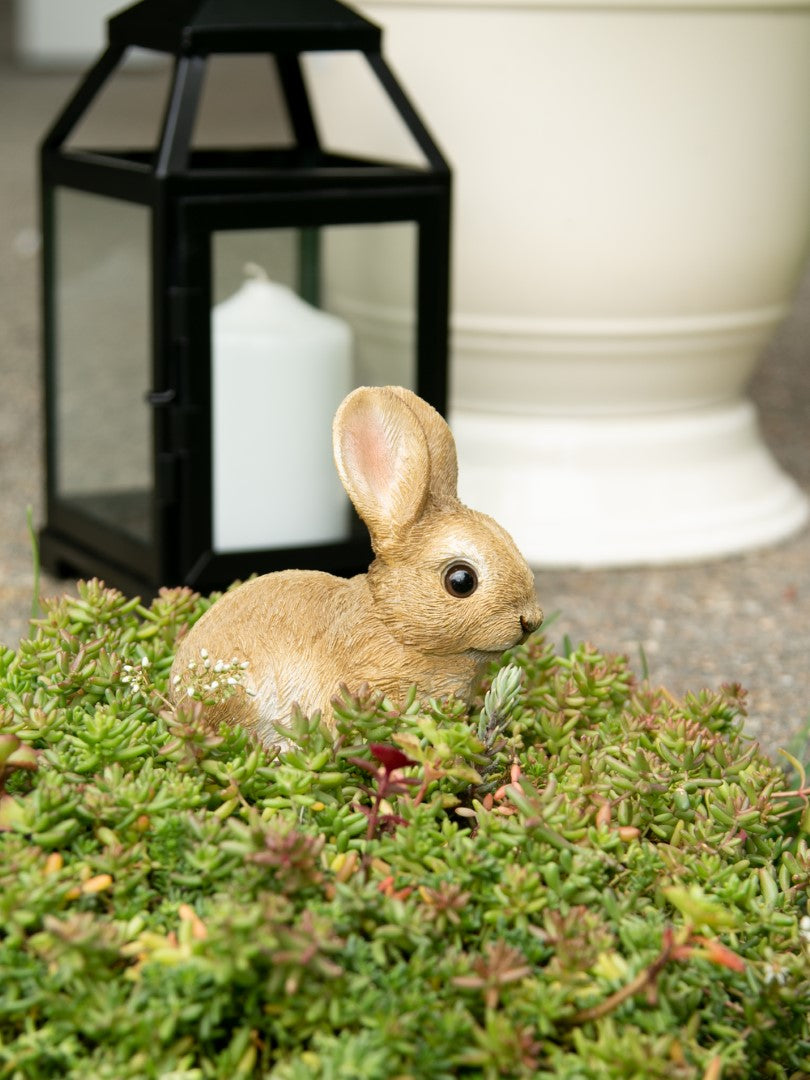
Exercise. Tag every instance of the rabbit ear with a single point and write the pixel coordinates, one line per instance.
(441, 444)
(382, 455)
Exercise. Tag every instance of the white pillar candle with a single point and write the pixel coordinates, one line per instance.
(280, 368)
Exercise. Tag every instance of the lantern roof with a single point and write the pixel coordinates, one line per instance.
(200, 27)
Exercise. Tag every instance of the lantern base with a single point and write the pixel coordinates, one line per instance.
(64, 558)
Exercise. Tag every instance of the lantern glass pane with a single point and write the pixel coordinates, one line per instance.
(128, 110)
(300, 317)
(241, 104)
(336, 81)
(102, 360)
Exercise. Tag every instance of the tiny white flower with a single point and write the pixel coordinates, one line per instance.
(127, 667)
(204, 653)
(774, 974)
(190, 691)
(145, 661)
(176, 680)
(231, 681)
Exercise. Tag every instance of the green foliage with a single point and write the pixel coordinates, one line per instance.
(580, 878)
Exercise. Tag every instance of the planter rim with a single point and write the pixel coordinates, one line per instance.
(597, 327)
(763, 7)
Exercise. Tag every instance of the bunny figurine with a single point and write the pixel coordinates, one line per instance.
(447, 592)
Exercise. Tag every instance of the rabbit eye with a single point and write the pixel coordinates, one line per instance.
(460, 579)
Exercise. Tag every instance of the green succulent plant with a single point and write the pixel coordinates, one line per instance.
(581, 877)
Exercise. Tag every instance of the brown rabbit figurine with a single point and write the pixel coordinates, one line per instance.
(447, 592)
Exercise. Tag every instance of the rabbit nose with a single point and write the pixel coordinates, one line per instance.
(529, 623)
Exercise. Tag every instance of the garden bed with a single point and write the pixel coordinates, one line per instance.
(582, 877)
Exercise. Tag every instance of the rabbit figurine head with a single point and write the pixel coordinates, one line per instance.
(445, 579)
(447, 591)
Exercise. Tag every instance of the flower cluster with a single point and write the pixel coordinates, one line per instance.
(137, 677)
(206, 680)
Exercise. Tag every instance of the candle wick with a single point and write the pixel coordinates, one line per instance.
(255, 271)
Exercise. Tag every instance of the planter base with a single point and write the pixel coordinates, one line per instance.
(628, 490)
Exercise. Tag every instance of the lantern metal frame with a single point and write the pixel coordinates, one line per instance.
(192, 193)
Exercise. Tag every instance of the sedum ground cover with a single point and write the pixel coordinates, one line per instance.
(581, 878)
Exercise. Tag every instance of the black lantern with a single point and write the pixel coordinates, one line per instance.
(206, 307)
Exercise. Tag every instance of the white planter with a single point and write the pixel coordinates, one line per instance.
(632, 217)
(56, 32)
